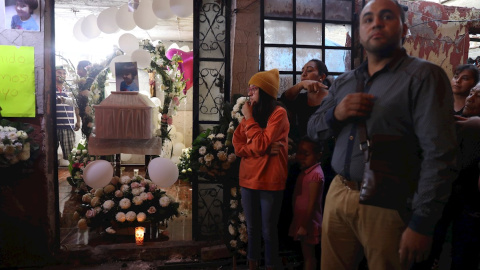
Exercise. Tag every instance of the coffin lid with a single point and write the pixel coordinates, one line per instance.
(134, 100)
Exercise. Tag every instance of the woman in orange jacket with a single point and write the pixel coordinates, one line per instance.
(261, 140)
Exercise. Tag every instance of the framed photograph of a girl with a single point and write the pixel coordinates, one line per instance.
(22, 15)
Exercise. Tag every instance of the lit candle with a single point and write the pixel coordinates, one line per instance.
(139, 233)
(135, 172)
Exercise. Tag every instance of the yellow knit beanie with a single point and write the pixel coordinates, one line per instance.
(269, 81)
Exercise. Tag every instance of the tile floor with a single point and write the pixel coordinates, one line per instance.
(179, 229)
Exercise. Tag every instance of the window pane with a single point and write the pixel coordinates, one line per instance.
(279, 8)
(305, 55)
(279, 32)
(339, 10)
(210, 94)
(212, 34)
(338, 35)
(298, 78)
(309, 9)
(286, 81)
(280, 58)
(309, 33)
(337, 60)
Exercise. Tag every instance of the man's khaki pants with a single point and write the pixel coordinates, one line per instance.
(351, 230)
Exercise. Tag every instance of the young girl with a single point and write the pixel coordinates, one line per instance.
(24, 20)
(261, 140)
(306, 225)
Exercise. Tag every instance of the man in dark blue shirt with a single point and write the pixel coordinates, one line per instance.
(402, 96)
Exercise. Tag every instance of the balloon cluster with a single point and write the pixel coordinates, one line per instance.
(113, 19)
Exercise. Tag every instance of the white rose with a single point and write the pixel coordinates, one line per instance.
(107, 205)
(233, 204)
(141, 217)
(236, 107)
(125, 179)
(209, 157)
(125, 203)
(125, 188)
(120, 217)
(164, 201)
(241, 217)
(241, 100)
(202, 150)
(131, 216)
(231, 229)
(137, 200)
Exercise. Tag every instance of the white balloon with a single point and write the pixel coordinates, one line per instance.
(77, 31)
(144, 16)
(98, 173)
(178, 149)
(172, 130)
(128, 43)
(89, 27)
(172, 46)
(181, 8)
(175, 159)
(185, 48)
(124, 18)
(163, 172)
(120, 58)
(161, 8)
(178, 137)
(125, 157)
(107, 21)
(142, 57)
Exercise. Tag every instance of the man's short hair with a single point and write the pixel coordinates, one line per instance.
(402, 9)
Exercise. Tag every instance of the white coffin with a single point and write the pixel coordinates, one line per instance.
(125, 115)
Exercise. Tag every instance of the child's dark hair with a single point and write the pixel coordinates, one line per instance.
(317, 147)
(264, 108)
(32, 4)
(130, 69)
(473, 70)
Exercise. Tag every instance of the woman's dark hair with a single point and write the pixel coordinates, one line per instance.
(322, 69)
(264, 108)
(473, 69)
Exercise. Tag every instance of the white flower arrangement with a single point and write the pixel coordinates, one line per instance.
(78, 159)
(237, 227)
(172, 83)
(14, 142)
(237, 115)
(137, 201)
(211, 154)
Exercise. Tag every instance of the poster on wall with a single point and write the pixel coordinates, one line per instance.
(22, 15)
(126, 76)
(17, 81)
